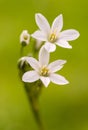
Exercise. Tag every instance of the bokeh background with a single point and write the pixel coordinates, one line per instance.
(61, 107)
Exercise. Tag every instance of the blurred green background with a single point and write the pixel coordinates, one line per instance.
(62, 107)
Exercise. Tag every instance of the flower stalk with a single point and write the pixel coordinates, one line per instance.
(33, 91)
(38, 73)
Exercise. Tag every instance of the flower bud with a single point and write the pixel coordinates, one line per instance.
(24, 38)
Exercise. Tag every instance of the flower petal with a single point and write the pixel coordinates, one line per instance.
(58, 79)
(43, 56)
(38, 44)
(42, 23)
(45, 80)
(69, 35)
(33, 63)
(64, 44)
(50, 47)
(30, 76)
(57, 24)
(56, 65)
(39, 35)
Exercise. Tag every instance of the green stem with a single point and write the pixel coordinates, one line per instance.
(35, 109)
(33, 93)
(21, 51)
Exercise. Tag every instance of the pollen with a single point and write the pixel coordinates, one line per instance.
(52, 37)
(44, 71)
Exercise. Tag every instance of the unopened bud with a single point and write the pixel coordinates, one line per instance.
(24, 38)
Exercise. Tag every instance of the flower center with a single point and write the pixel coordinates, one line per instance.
(52, 37)
(44, 71)
(25, 37)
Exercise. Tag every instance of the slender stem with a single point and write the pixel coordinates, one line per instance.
(33, 95)
(21, 51)
(33, 91)
(35, 109)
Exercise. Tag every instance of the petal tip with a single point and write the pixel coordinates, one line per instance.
(70, 47)
(65, 61)
(61, 15)
(38, 15)
(78, 34)
(67, 82)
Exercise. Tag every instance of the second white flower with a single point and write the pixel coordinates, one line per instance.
(43, 71)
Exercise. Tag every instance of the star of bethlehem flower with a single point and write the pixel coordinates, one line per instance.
(53, 35)
(44, 71)
(24, 38)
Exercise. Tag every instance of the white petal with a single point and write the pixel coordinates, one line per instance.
(58, 79)
(64, 44)
(30, 76)
(50, 47)
(45, 80)
(42, 23)
(39, 35)
(57, 24)
(69, 35)
(56, 65)
(33, 63)
(43, 56)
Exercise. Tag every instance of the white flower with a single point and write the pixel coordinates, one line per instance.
(53, 35)
(43, 71)
(24, 37)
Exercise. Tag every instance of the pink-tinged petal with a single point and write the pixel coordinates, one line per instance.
(64, 44)
(50, 47)
(57, 24)
(33, 63)
(58, 79)
(43, 56)
(39, 35)
(56, 65)
(69, 35)
(42, 23)
(45, 81)
(30, 76)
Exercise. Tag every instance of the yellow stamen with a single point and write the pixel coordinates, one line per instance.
(52, 37)
(44, 71)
